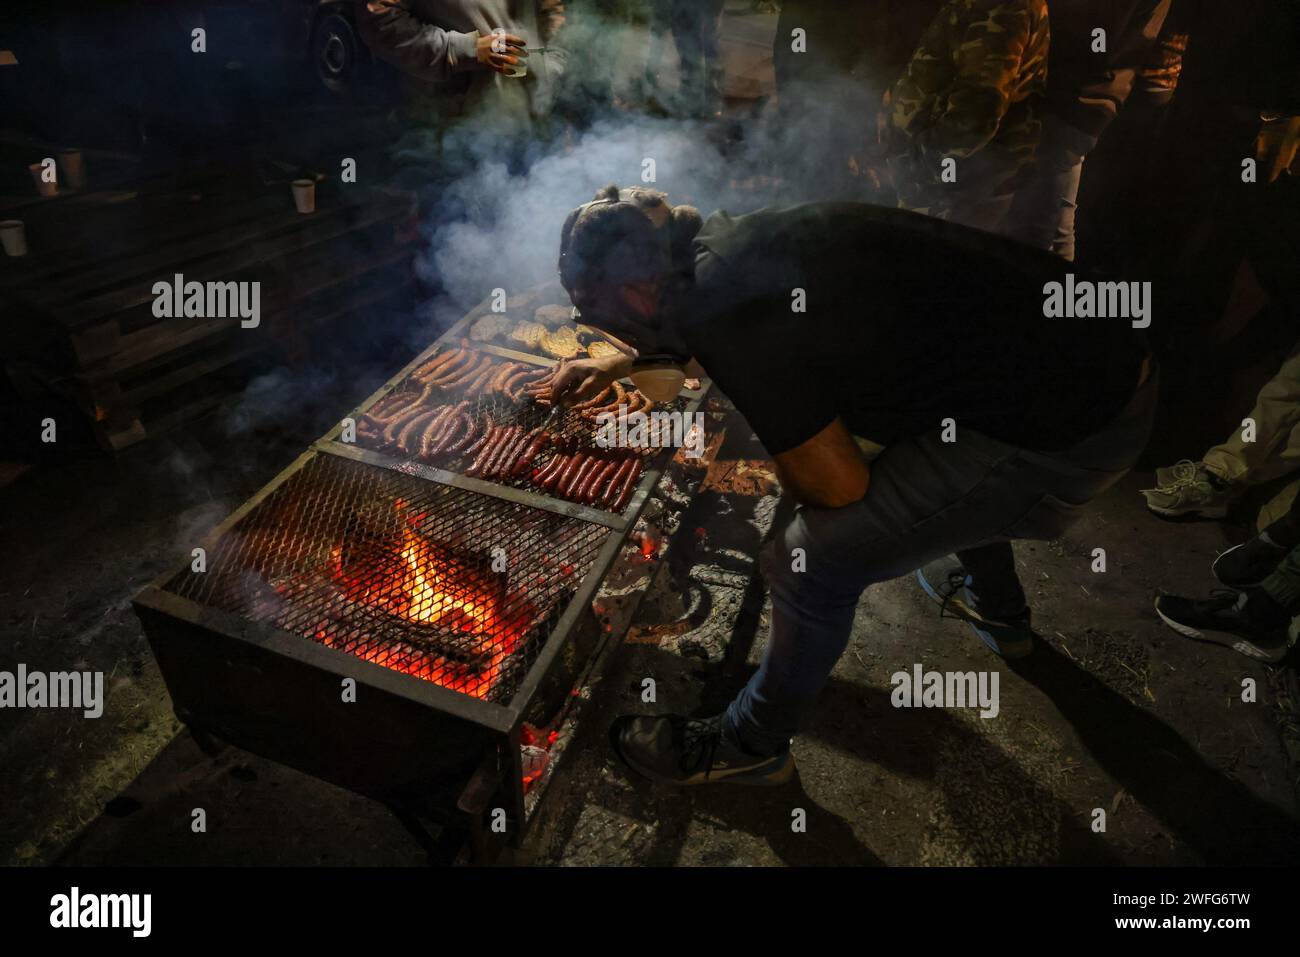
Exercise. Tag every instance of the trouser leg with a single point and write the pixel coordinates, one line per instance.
(1286, 530)
(927, 498)
(1043, 210)
(994, 584)
(1275, 449)
(1283, 584)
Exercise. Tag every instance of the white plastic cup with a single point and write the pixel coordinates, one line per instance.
(73, 168)
(304, 195)
(520, 69)
(42, 187)
(13, 235)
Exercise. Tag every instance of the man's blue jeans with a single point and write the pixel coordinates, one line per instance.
(926, 499)
(1042, 213)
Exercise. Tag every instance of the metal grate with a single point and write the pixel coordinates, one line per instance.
(434, 581)
(570, 431)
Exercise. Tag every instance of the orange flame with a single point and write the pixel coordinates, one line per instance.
(432, 586)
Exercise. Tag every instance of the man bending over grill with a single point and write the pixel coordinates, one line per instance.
(839, 327)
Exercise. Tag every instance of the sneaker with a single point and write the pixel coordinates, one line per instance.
(947, 583)
(678, 750)
(1241, 620)
(1248, 564)
(1189, 488)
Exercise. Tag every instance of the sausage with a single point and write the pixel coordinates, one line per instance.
(620, 396)
(556, 471)
(395, 426)
(533, 376)
(546, 471)
(464, 441)
(493, 436)
(514, 383)
(468, 375)
(629, 486)
(387, 405)
(511, 453)
(474, 384)
(567, 488)
(405, 405)
(494, 460)
(584, 479)
(525, 459)
(432, 426)
(594, 400)
(537, 440)
(541, 385)
(615, 483)
(438, 362)
(504, 373)
(437, 438)
(490, 466)
(459, 371)
(412, 427)
(507, 384)
(570, 469)
(477, 444)
(462, 360)
(598, 481)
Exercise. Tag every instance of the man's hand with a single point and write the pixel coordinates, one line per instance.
(827, 471)
(1276, 145)
(500, 51)
(579, 379)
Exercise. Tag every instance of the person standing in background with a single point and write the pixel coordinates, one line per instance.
(694, 25)
(963, 120)
(1098, 47)
(471, 60)
(833, 64)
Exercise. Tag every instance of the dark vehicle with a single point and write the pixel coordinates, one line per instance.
(323, 33)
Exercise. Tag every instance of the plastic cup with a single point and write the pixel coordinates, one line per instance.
(72, 168)
(304, 195)
(42, 187)
(13, 236)
(520, 69)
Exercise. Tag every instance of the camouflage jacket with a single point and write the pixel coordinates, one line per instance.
(970, 92)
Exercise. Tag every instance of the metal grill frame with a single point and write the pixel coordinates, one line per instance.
(443, 746)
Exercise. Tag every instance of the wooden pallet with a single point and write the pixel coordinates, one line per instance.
(77, 313)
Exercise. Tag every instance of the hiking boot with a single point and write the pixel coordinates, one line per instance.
(678, 750)
(1248, 564)
(1189, 488)
(947, 583)
(1248, 621)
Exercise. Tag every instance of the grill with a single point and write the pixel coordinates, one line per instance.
(379, 618)
(406, 574)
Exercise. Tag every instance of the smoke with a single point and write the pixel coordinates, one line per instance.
(497, 223)
(262, 402)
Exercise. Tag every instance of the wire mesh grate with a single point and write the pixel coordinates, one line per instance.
(451, 586)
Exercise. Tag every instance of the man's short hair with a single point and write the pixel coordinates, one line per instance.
(620, 236)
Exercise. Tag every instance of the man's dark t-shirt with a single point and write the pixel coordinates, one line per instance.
(908, 321)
